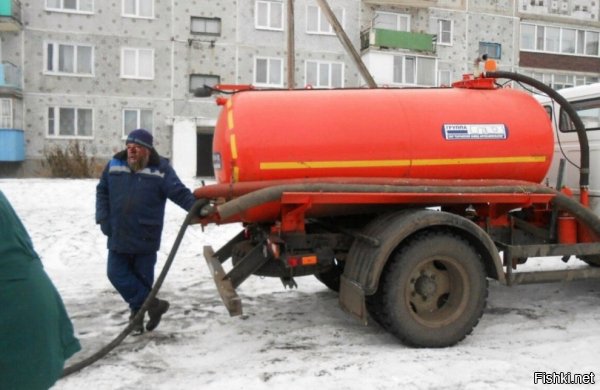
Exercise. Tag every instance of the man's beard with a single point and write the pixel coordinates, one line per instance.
(139, 164)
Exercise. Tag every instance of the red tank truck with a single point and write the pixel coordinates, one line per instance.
(406, 201)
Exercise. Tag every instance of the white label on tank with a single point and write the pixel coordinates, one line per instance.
(475, 131)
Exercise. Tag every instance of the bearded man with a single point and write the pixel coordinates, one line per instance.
(130, 209)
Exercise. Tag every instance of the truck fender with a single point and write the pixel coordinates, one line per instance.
(366, 262)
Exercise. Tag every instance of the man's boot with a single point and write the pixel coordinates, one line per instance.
(157, 308)
(138, 325)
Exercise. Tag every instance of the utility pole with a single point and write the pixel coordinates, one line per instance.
(341, 34)
(291, 51)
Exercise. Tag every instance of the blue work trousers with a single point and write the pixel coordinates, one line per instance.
(132, 275)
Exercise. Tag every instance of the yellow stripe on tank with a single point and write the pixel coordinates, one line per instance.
(399, 163)
(232, 142)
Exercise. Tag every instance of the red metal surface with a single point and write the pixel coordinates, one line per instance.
(396, 133)
(334, 198)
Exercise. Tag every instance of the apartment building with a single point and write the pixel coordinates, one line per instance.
(91, 71)
(433, 42)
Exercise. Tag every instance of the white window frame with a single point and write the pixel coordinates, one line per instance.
(137, 74)
(136, 14)
(56, 125)
(329, 73)
(417, 68)
(138, 111)
(6, 118)
(444, 74)
(269, 70)
(270, 5)
(540, 39)
(440, 32)
(56, 58)
(321, 16)
(551, 78)
(206, 22)
(77, 10)
(398, 16)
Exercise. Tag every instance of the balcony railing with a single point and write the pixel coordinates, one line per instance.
(10, 76)
(10, 15)
(391, 39)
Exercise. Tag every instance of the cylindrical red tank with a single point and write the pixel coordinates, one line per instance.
(437, 133)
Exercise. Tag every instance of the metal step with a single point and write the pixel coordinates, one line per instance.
(554, 276)
(232, 301)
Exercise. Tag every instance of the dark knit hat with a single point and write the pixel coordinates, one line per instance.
(140, 137)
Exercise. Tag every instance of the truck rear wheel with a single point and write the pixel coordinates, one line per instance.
(433, 292)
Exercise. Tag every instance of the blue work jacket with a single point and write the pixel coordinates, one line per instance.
(130, 206)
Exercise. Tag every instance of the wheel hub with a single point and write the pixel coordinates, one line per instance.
(425, 286)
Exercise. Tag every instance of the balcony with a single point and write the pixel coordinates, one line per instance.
(10, 80)
(10, 15)
(390, 39)
(12, 145)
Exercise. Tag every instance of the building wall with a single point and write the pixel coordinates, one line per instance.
(106, 92)
(231, 55)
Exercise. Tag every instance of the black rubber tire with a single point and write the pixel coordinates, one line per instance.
(375, 308)
(434, 291)
(331, 277)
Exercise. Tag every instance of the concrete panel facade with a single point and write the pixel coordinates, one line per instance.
(231, 54)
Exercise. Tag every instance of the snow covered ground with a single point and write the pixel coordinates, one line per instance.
(293, 339)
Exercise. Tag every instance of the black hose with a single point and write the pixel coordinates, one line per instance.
(151, 295)
(271, 194)
(584, 166)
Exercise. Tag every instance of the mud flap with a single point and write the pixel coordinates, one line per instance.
(230, 298)
(352, 299)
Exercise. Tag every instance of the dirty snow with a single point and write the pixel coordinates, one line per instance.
(293, 339)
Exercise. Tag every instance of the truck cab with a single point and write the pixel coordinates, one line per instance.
(586, 101)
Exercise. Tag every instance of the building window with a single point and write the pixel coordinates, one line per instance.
(268, 15)
(527, 37)
(323, 74)
(316, 20)
(413, 70)
(568, 40)
(559, 40)
(70, 122)
(138, 8)
(137, 63)
(136, 118)
(391, 21)
(6, 116)
(268, 72)
(445, 78)
(444, 32)
(86, 6)
(200, 80)
(552, 39)
(70, 59)
(207, 26)
(561, 80)
(591, 43)
(493, 50)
